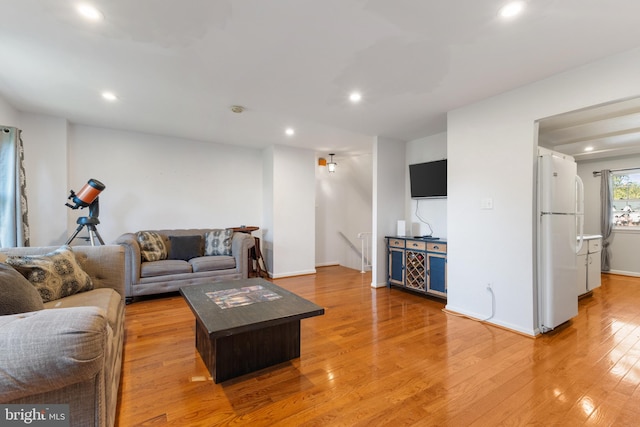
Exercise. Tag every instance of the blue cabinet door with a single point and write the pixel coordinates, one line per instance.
(396, 266)
(437, 273)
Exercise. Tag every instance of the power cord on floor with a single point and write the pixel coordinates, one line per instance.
(493, 309)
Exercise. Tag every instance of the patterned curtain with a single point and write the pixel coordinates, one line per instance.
(14, 226)
(606, 217)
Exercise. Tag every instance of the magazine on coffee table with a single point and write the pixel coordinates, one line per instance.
(237, 297)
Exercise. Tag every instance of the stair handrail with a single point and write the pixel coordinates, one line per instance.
(365, 253)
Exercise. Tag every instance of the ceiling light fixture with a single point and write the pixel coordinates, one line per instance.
(355, 97)
(512, 9)
(589, 148)
(89, 12)
(289, 131)
(109, 96)
(237, 108)
(331, 165)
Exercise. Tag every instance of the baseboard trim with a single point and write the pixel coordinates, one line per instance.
(292, 273)
(623, 273)
(328, 264)
(458, 312)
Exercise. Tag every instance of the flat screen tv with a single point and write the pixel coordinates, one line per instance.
(428, 180)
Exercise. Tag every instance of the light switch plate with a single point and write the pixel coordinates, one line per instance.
(486, 203)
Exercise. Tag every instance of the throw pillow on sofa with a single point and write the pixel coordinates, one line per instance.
(17, 295)
(218, 242)
(55, 275)
(185, 247)
(152, 247)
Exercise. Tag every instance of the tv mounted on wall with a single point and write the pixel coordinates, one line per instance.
(428, 180)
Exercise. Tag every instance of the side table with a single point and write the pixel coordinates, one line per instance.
(255, 254)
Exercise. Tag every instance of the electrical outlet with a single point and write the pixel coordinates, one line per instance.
(488, 286)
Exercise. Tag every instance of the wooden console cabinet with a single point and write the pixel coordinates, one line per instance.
(418, 265)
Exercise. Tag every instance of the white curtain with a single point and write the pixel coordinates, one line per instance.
(14, 227)
(606, 217)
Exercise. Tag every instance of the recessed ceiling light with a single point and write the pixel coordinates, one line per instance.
(512, 9)
(89, 12)
(355, 97)
(109, 96)
(589, 148)
(289, 131)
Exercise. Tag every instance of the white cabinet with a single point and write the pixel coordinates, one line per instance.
(581, 281)
(594, 264)
(589, 265)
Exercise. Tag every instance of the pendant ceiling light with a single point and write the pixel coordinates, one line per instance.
(331, 164)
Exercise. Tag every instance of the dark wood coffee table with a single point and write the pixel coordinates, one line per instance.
(246, 325)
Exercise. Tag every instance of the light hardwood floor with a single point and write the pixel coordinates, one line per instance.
(387, 357)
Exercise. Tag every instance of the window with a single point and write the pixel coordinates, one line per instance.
(626, 199)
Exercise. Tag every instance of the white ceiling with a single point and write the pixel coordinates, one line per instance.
(177, 66)
(608, 130)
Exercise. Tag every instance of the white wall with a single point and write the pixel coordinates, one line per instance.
(45, 149)
(291, 237)
(432, 211)
(343, 205)
(389, 164)
(155, 182)
(268, 210)
(625, 245)
(45, 153)
(9, 116)
(491, 155)
(152, 181)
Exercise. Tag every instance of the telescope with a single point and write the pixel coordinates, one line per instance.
(87, 197)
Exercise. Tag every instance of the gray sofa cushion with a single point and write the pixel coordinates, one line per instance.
(164, 267)
(17, 295)
(106, 299)
(212, 263)
(55, 275)
(69, 348)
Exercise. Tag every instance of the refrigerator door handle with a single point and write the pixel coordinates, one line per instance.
(579, 212)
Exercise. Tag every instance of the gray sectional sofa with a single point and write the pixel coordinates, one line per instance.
(185, 257)
(67, 350)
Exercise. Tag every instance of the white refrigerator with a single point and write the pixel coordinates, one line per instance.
(561, 221)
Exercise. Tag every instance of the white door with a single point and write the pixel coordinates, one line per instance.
(593, 268)
(557, 185)
(558, 270)
(594, 263)
(581, 282)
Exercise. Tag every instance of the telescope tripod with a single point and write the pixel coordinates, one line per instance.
(90, 222)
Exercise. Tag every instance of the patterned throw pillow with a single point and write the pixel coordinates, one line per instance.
(218, 242)
(55, 275)
(152, 246)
